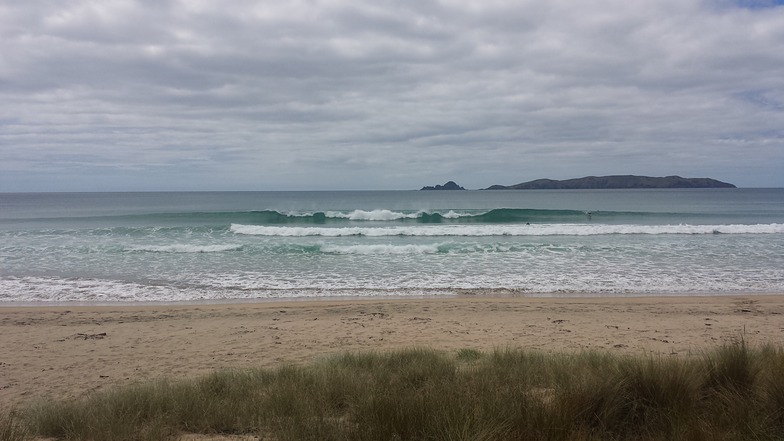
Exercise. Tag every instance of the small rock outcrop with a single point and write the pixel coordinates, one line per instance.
(451, 185)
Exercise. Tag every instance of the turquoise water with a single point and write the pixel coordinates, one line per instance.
(107, 247)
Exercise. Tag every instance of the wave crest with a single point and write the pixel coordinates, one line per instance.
(504, 230)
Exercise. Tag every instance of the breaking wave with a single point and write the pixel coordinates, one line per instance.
(504, 230)
(274, 217)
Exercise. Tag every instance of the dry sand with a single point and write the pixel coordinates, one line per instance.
(65, 352)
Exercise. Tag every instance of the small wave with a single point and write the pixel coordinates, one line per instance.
(505, 230)
(381, 249)
(185, 248)
(436, 248)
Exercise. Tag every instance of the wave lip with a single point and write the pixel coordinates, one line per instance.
(504, 230)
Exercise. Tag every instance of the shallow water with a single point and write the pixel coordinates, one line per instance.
(255, 245)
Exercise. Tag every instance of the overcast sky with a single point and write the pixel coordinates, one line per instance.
(376, 94)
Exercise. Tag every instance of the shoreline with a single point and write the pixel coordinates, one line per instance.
(452, 294)
(69, 351)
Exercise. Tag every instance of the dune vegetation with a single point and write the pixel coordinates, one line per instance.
(734, 392)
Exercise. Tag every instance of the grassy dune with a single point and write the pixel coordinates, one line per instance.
(732, 393)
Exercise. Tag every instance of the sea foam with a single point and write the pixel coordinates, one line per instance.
(381, 249)
(182, 248)
(373, 215)
(504, 230)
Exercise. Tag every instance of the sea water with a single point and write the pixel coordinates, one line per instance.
(149, 247)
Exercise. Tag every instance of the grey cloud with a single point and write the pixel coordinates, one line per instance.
(389, 92)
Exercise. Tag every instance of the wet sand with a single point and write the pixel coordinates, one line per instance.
(71, 351)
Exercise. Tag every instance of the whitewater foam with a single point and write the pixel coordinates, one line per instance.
(181, 248)
(505, 230)
(381, 249)
(374, 215)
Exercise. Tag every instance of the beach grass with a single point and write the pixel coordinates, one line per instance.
(12, 427)
(734, 392)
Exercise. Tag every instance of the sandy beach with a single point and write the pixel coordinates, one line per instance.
(71, 351)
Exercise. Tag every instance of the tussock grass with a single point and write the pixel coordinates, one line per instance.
(11, 427)
(732, 393)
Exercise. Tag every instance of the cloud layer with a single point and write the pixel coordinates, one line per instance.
(127, 95)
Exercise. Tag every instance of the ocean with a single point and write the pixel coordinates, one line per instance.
(226, 246)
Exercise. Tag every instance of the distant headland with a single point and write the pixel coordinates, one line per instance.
(602, 182)
(615, 182)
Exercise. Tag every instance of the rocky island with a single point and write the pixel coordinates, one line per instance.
(451, 185)
(615, 182)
